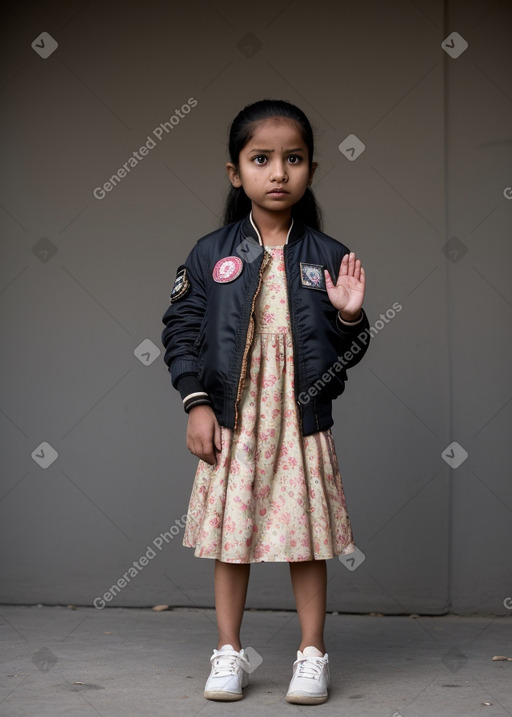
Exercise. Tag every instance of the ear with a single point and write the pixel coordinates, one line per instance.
(233, 175)
(314, 165)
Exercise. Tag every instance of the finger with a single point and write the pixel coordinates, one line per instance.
(351, 263)
(198, 448)
(208, 452)
(217, 443)
(207, 457)
(328, 280)
(357, 269)
(218, 436)
(344, 266)
(195, 449)
(192, 447)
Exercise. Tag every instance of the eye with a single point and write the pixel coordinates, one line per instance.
(259, 157)
(295, 159)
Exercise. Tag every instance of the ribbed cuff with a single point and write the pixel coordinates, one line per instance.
(192, 392)
(354, 321)
(196, 399)
(347, 325)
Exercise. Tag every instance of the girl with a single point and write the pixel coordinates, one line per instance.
(258, 339)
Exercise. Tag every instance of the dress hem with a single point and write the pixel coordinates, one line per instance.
(347, 550)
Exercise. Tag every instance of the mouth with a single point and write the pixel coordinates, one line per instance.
(278, 192)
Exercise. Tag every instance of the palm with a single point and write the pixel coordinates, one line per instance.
(348, 294)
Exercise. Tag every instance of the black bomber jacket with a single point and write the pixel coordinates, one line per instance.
(209, 325)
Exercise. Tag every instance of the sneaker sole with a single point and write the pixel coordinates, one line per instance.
(298, 699)
(222, 695)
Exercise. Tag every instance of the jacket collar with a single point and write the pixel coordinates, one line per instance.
(250, 231)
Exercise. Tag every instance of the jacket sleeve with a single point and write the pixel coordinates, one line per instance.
(183, 322)
(354, 338)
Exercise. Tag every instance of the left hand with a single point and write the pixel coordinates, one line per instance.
(348, 294)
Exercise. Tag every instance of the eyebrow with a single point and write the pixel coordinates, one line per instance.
(269, 151)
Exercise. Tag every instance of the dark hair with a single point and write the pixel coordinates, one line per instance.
(238, 204)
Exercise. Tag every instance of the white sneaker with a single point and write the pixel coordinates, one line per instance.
(311, 677)
(229, 673)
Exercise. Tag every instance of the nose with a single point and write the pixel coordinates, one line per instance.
(278, 172)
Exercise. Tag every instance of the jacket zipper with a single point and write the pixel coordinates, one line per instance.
(295, 354)
(250, 335)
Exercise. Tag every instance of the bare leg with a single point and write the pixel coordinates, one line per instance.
(309, 581)
(230, 581)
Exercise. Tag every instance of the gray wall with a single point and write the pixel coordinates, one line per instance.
(84, 283)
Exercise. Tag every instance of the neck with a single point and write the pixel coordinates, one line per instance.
(272, 226)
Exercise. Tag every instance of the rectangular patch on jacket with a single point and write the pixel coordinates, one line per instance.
(312, 276)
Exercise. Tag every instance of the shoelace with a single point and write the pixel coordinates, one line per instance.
(226, 663)
(310, 667)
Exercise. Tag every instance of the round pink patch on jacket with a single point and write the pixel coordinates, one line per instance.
(227, 269)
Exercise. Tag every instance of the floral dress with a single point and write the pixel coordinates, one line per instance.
(274, 495)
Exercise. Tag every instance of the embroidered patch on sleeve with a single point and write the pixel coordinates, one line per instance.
(312, 276)
(181, 284)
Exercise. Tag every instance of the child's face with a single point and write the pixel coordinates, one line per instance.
(276, 158)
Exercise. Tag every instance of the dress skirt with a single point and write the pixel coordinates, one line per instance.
(274, 495)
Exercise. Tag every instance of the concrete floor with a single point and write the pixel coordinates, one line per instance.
(85, 662)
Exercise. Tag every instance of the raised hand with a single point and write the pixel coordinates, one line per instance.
(348, 294)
